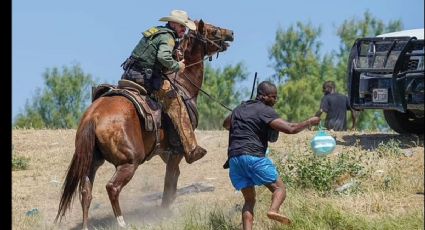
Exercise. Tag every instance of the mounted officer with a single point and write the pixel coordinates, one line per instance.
(154, 55)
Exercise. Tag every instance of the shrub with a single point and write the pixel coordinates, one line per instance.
(20, 163)
(319, 173)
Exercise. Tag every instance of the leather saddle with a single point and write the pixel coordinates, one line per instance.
(149, 111)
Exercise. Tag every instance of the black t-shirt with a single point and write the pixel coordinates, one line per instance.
(335, 106)
(249, 128)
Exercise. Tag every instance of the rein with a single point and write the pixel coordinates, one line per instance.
(200, 61)
(206, 41)
(207, 94)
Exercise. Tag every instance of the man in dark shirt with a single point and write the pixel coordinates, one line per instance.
(250, 125)
(335, 106)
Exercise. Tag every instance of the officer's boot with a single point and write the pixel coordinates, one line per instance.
(176, 110)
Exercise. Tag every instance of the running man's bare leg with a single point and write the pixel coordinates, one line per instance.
(248, 207)
(278, 190)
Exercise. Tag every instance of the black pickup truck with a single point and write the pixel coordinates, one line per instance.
(387, 72)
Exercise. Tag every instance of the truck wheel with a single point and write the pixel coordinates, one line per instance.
(404, 122)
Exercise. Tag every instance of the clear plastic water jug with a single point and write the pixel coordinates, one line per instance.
(323, 143)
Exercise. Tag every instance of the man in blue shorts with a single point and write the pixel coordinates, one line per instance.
(250, 125)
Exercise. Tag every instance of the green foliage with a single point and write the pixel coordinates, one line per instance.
(295, 54)
(319, 173)
(294, 104)
(220, 84)
(61, 103)
(20, 163)
(300, 70)
(31, 118)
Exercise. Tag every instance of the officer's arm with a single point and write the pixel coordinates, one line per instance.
(165, 51)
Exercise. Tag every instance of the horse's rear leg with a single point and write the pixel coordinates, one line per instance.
(122, 176)
(86, 189)
(172, 174)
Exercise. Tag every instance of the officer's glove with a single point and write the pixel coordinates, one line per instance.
(182, 66)
(178, 54)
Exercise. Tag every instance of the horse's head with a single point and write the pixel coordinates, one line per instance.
(198, 44)
(216, 38)
(210, 38)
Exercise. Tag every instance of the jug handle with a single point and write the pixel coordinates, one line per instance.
(320, 126)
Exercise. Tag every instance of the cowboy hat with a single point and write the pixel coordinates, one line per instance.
(180, 17)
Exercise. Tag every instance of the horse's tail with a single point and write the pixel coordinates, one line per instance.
(79, 167)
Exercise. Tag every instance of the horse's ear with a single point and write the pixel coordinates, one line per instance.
(200, 26)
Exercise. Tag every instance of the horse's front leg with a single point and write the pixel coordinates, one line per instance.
(172, 174)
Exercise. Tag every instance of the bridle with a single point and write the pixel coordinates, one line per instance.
(219, 43)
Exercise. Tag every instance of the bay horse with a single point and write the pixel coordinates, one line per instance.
(111, 130)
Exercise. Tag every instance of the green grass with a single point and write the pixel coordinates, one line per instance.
(20, 163)
(306, 212)
(311, 214)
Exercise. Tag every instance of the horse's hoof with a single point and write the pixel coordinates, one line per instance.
(121, 222)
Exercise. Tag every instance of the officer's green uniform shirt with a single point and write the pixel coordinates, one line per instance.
(155, 49)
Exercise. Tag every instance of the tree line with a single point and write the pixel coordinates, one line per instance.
(300, 68)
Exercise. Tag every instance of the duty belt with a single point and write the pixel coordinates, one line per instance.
(140, 68)
(136, 64)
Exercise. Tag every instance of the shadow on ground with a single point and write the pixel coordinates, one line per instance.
(372, 141)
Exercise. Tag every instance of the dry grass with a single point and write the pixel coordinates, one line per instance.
(394, 185)
(50, 152)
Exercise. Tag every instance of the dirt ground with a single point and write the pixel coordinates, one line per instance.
(37, 189)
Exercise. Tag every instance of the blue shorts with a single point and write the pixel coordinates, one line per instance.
(246, 171)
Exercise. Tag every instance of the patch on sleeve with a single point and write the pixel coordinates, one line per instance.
(151, 31)
(171, 42)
